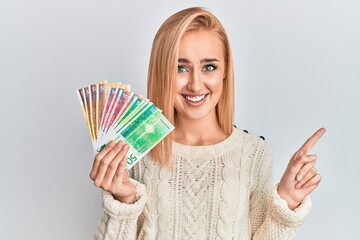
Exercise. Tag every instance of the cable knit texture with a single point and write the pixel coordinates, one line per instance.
(220, 191)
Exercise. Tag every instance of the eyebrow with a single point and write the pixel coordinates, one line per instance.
(204, 60)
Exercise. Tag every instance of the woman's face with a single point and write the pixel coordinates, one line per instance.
(201, 70)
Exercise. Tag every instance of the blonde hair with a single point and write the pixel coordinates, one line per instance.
(163, 70)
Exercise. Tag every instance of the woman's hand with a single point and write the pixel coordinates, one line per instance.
(300, 177)
(109, 172)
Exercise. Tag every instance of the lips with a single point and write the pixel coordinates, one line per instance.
(194, 98)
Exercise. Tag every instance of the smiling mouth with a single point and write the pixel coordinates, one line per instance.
(194, 99)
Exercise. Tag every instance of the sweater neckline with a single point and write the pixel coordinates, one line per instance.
(212, 150)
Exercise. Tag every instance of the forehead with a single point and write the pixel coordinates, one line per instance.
(201, 44)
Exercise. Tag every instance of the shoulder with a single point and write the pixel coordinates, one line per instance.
(246, 137)
(253, 146)
(256, 158)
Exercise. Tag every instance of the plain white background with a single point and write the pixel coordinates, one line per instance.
(297, 66)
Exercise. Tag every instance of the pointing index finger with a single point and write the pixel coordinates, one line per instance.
(309, 144)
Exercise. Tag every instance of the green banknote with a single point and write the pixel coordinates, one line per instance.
(142, 113)
(115, 130)
(142, 136)
(129, 128)
(113, 112)
(149, 133)
(133, 109)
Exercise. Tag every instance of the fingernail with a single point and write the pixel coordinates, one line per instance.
(299, 177)
(312, 157)
(298, 185)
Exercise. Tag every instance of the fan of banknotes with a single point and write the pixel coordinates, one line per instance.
(113, 112)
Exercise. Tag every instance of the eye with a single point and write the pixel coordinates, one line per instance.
(209, 68)
(182, 69)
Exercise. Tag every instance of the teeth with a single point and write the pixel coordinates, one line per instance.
(196, 98)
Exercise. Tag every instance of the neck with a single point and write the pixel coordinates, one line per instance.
(198, 132)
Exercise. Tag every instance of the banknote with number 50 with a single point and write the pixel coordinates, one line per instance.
(113, 112)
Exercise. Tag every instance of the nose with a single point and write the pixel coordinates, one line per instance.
(195, 83)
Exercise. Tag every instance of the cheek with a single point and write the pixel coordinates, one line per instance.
(216, 84)
(178, 105)
(180, 83)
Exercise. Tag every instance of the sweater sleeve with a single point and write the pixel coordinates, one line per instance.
(119, 220)
(270, 217)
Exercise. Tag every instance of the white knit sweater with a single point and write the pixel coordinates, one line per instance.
(220, 191)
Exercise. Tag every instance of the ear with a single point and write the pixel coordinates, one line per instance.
(225, 72)
(224, 77)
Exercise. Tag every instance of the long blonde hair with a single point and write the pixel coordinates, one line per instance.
(163, 70)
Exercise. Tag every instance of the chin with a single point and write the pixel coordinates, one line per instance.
(199, 115)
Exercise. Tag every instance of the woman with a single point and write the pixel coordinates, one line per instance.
(207, 180)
